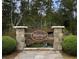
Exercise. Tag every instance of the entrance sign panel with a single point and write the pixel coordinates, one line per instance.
(39, 35)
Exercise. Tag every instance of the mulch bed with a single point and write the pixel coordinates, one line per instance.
(10, 56)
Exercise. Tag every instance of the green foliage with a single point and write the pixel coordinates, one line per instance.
(69, 21)
(6, 15)
(37, 45)
(8, 44)
(70, 44)
(31, 18)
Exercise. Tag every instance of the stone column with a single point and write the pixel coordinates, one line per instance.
(58, 36)
(20, 37)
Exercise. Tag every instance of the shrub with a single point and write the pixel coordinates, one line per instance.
(70, 44)
(40, 45)
(8, 44)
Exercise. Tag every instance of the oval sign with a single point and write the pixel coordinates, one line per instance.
(39, 35)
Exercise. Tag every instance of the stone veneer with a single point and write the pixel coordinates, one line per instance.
(58, 36)
(20, 37)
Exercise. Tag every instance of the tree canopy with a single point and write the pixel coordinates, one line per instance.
(39, 13)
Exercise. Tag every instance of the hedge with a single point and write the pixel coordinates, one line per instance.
(70, 45)
(8, 44)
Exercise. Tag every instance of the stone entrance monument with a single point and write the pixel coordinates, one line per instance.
(39, 35)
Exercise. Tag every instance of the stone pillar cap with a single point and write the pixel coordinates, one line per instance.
(57, 27)
(20, 27)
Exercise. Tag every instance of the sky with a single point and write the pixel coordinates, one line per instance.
(17, 4)
(56, 4)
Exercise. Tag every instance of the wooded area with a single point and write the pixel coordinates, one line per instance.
(39, 13)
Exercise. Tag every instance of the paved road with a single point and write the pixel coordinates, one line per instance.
(39, 55)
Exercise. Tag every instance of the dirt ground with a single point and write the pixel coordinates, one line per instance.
(12, 55)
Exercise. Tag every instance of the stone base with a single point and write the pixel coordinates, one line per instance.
(39, 55)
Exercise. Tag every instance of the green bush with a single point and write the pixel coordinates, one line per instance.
(8, 44)
(40, 45)
(70, 45)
